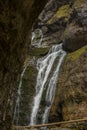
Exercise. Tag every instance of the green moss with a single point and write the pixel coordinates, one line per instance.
(78, 3)
(63, 11)
(39, 51)
(75, 55)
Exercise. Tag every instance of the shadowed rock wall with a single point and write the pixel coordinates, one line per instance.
(16, 20)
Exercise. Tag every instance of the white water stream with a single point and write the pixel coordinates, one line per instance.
(17, 106)
(44, 66)
(37, 37)
(48, 71)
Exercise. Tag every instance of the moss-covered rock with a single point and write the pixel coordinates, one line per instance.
(78, 4)
(76, 54)
(63, 12)
(70, 21)
(38, 51)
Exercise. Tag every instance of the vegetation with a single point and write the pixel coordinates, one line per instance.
(39, 51)
(75, 55)
(63, 12)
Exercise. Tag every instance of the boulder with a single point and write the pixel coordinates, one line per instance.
(75, 34)
(75, 37)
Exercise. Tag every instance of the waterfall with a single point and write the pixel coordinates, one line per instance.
(52, 87)
(45, 66)
(17, 106)
(37, 37)
(48, 71)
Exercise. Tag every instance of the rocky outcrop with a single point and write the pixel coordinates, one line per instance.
(67, 24)
(51, 8)
(71, 94)
(60, 21)
(74, 38)
(16, 20)
(75, 34)
(70, 100)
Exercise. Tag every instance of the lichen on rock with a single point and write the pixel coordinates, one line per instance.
(78, 4)
(63, 12)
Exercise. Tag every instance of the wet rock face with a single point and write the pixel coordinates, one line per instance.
(16, 19)
(27, 94)
(71, 94)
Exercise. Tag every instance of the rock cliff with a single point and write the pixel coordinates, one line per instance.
(68, 24)
(60, 21)
(16, 20)
(70, 99)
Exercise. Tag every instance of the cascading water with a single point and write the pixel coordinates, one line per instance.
(52, 87)
(48, 71)
(37, 36)
(17, 106)
(45, 66)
